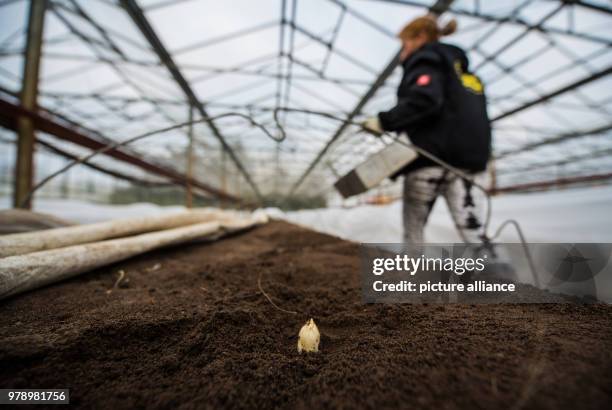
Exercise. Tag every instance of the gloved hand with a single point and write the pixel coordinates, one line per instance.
(372, 125)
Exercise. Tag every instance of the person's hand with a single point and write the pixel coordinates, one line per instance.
(372, 125)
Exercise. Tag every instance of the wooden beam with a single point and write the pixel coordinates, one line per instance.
(24, 167)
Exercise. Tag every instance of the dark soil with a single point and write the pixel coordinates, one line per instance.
(195, 332)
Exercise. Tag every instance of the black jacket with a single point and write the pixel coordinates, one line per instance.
(442, 107)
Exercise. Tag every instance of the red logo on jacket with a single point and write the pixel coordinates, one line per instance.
(423, 80)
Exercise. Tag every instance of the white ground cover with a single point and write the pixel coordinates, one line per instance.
(576, 215)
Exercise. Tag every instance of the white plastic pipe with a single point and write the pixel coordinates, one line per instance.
(22, 243)
(30, 271)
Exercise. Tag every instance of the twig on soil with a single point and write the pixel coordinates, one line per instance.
(154, 267)
(119, 279)
(270, 299)
(117, 282)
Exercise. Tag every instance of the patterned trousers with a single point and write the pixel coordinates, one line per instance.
(467, 204)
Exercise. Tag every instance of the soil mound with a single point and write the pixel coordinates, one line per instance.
(188, 328)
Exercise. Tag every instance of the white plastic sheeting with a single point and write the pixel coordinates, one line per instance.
(575, 215)
(86, 212)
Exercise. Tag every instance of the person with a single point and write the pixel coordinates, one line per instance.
(441, 106)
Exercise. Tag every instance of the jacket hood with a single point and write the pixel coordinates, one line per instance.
(436, 52)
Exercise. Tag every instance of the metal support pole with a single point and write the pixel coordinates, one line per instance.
(556, 183)
(493, 176)
(142, 23)
(222, 174)
(24, 167)
(544, 98)
(188, 191)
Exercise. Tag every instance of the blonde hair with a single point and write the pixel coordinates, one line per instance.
(428, 25)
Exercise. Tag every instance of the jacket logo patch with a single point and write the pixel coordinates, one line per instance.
(423, 80)
(472, 83)
(469, 81)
